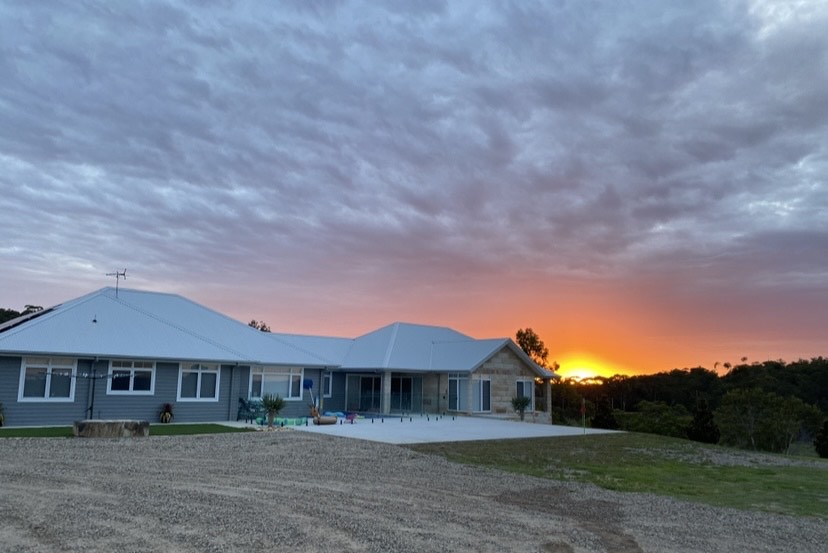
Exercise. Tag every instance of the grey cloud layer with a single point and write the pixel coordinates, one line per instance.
(415, 142)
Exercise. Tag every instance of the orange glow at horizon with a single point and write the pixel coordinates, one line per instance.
(583, 365)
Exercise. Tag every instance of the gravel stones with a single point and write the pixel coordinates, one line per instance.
(308, 492)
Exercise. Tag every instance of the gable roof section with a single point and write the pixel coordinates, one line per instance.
(152, 325)
(420, 348)
(399, 346)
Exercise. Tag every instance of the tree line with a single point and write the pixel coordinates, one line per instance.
(768, 406)
(9, 314)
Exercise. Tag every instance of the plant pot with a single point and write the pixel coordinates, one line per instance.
(165, 417)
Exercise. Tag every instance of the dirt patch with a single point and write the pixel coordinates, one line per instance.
(306, 492)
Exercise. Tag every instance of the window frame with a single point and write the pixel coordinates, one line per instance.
(262, 370)
(456, 383)
(327, 384)
(132, 369)
(200, 369)
(479, 399)
(51, 364)
(530, 384)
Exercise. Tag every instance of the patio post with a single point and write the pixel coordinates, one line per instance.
(386, 392)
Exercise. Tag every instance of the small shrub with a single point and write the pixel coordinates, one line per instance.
(166, 414)
(272, 404)
(520, 403)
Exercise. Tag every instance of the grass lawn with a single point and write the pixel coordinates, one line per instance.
(155, 430)
(648, 463)
(186, 429)
(39, 432)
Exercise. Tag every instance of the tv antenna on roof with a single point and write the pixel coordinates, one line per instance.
(117, 276)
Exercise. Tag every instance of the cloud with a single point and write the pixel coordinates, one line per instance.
(355, 145)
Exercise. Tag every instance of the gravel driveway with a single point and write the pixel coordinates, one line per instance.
(298, 491)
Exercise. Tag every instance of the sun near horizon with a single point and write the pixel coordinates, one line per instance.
(583, 366)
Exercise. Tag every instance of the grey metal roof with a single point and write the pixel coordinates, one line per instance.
(150, 325)
(331, 349)
(153, 325)
(401, 346)
(422, 348)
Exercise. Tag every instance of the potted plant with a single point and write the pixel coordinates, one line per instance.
(2, 416)
(520, 403)
(166, 413)
(272, 404)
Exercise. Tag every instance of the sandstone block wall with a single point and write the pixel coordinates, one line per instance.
(111, 429)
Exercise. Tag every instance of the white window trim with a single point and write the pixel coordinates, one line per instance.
(327, 391)
(202, 368)
(132, 369)
(49, 367)
(278, 370)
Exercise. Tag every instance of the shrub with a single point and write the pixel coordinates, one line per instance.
(703, 428)
(604, 417)
(272, 404)
(821, 441)
(520, 403)
(166, 414)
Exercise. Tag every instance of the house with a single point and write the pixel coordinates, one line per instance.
(121, 353)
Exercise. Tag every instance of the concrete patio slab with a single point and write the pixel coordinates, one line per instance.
(417, 429)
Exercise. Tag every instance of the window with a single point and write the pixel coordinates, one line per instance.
(526, 388)
(327, 388)
(481, 390)
(457, 392)
(285, 382)
(482, 398)
(198, 382)
(131, 377)
(47, 379)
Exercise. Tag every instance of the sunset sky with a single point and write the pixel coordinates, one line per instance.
(642, 183)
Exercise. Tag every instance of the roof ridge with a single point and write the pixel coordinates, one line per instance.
(391, 343)
(179, 327)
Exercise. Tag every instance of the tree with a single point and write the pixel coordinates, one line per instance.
(764, 420)
(793, 419)
(604, 417)
(259, 325)
(533, 346)
(566, 401)
(741, 416)
(821, 441)
(657, 418)
(8, 314)
(703, 428)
